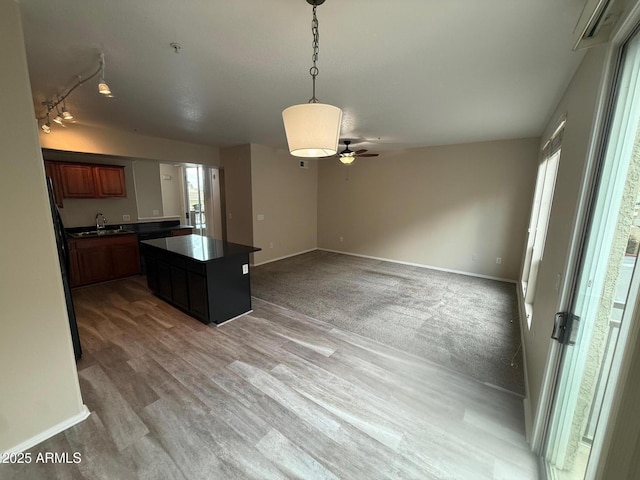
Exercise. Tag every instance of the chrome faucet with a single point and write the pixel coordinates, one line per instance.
(100, 226)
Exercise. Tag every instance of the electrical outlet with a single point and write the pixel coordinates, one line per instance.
(498, 260)
(230, 216)
(474, 257)
(156, 212)
(271, 245)
(260, 217)
(126, 218)
(341, 239)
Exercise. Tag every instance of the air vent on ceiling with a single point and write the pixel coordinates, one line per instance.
(595, 23)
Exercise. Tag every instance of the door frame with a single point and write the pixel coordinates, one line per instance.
(596, 149)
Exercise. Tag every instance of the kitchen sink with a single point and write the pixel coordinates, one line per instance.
(99, 233)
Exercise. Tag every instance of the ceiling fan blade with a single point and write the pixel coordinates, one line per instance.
(367, 155)
(363, 150)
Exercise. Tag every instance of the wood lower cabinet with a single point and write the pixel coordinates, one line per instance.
(95, 260)
(181, 231)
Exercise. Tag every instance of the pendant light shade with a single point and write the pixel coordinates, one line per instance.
(312, 129)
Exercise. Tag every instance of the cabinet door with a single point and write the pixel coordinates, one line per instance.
(198, 295)
(151, 270)
(52, 172)
(77, 181)
(164, 281)
(125, 259)
(93, 264)
(179, 287)
(110, 181)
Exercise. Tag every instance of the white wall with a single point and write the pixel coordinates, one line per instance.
(287, 196)
(436, 206)
(237, 186)
(85, 139)
(172, 186)
(148, 192)
(39, 384)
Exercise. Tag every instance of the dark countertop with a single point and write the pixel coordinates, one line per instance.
(145, 229)
(155, 227)
(202, 249)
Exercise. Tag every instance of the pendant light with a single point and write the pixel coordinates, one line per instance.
(313, 129)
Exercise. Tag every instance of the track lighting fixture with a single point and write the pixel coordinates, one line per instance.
(53, 104)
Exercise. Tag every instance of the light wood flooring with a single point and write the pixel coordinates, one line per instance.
(273, 394)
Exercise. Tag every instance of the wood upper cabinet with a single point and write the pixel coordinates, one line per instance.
(53, 173)
(110, 181)
(79, 180)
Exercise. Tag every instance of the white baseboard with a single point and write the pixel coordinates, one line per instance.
(50, 432)
(421, 265)
(282, 258)
(234, 318)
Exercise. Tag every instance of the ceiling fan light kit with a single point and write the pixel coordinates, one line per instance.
(53, 104)
(348, 156)
(313, 129)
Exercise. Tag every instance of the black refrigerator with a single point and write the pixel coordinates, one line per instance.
(63, 256)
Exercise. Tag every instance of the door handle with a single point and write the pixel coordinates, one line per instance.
(565, 328)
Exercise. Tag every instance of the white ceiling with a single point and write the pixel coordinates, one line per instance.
(406, 73)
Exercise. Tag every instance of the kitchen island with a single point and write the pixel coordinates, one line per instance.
(203, 276)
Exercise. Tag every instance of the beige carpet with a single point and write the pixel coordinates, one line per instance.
(464, 323)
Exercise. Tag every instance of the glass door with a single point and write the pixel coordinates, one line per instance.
(194, 182)
(593, 327)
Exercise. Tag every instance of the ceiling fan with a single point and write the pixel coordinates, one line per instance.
(348, 156)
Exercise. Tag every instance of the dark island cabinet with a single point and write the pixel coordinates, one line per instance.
(213, 287)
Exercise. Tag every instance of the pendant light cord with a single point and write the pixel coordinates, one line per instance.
(316, 49)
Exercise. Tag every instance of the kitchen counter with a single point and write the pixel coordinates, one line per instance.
(199, 248)
(145, 231)
(204, 277)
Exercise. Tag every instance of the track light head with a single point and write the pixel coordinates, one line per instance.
(46, 127)
(103, 88)
(66, 115)
(58, 119)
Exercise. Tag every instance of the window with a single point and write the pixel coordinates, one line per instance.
(540, 212)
